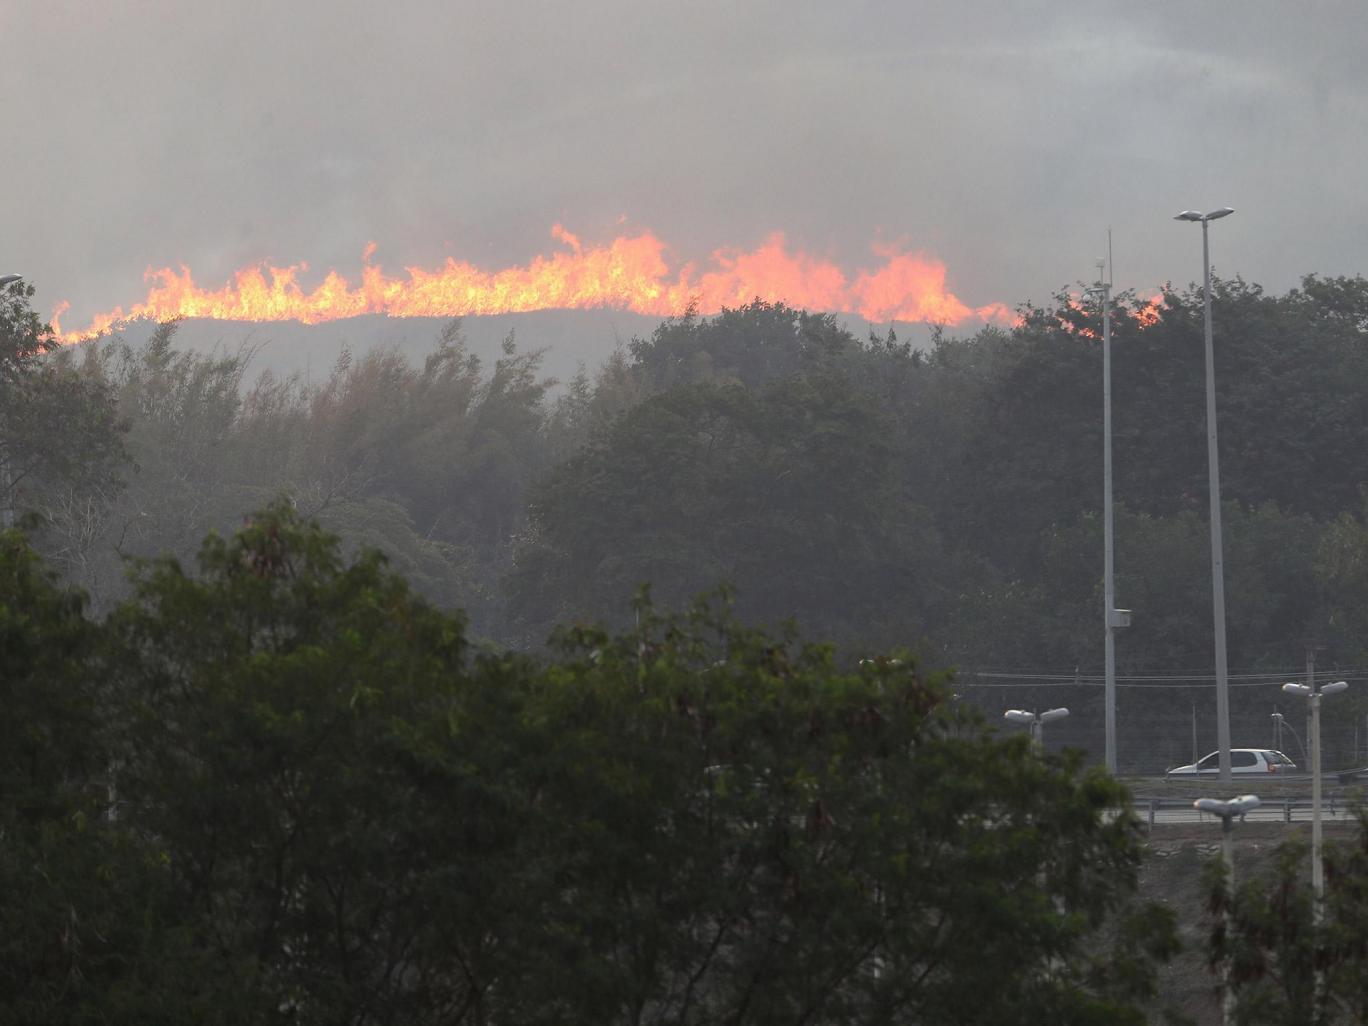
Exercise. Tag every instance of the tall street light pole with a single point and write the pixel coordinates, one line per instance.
(1108, 530)
(1214, 488)
(1112, 617)
(1227, 810)
(1312, 694)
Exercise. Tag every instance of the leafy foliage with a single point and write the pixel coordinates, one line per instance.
(329, 807)
(782, 492)
(81, 894)
(946, 498)
(1285, 967)
(59, 430)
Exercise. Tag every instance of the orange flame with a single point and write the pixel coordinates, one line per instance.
(629, 273)
(1149, 314)
(1145, 312)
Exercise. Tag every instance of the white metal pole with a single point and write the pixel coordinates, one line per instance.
(1310, 690)
(1109, 560)
(1217, 560)
(1228, 854)
(1317, 865)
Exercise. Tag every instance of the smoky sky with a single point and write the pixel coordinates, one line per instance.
(1002, 138)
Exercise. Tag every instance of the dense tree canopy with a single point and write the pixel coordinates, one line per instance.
(788, 492)
(946, 498)
(1286, 966)
(285, 788)
(305, 781)
(60, 435)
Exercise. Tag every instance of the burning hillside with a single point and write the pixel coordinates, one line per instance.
(631, 273)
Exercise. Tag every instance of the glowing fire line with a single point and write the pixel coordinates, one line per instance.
(629, 273)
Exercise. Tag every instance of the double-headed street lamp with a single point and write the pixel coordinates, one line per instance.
(1036, 721)
(1313, 695)
(1227, 810)
(1214, 487)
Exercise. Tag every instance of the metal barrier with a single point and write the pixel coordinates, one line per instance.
(1291, 809)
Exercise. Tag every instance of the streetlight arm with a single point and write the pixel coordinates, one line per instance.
(1226, 809)
(1303, 691)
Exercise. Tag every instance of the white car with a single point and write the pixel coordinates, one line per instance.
(1242, 760)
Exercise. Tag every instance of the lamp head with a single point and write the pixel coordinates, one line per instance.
(1019, 716)
(1219, 213)
(1188, 215)
(1297, 689)
(1330, 689)
(9, 279)
(1053, 714)
(1226, 809)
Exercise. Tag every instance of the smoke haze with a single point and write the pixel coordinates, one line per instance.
(1000, 139)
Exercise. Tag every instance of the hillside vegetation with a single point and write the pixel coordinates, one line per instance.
(879, 495)
(401, 740)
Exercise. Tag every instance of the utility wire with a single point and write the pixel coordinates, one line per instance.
(1141, 684)
(1092, 678)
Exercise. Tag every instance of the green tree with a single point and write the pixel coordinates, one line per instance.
(1287, 970)
(329, 808)
(280, 710)
(430, 464)
(1342, 569)
(753, 344)
(87, 933)
(59, 433)
(788, 492)
(747, 834)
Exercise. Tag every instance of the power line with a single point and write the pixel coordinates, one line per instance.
(1142, 683)
(1271, 677)
(1186, 673)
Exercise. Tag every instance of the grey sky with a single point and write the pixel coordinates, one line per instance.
(1001, 138)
